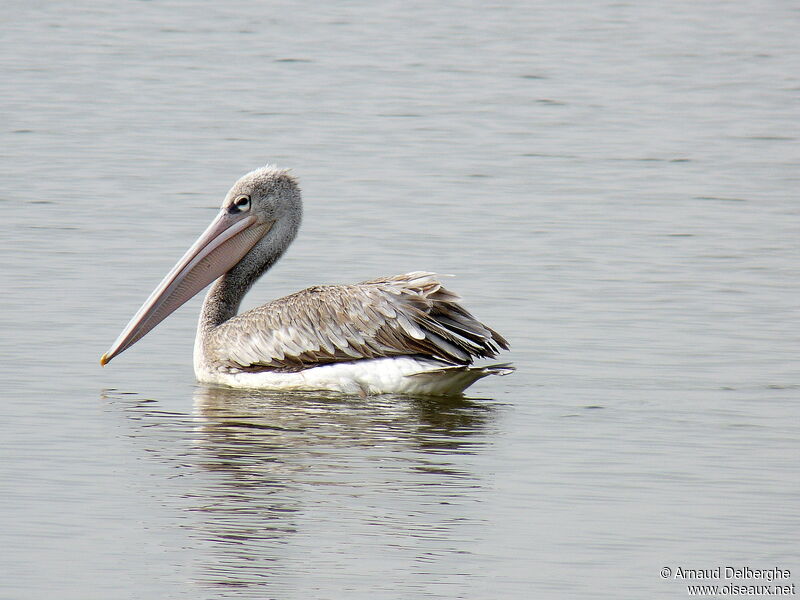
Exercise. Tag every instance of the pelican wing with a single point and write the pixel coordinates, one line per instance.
(411, 314)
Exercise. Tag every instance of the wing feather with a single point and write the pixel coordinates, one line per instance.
(411, 314)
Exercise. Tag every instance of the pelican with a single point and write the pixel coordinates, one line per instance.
(402, 334)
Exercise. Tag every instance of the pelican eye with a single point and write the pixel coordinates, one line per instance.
(241, 204)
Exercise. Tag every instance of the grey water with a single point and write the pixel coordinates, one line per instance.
(614, 186)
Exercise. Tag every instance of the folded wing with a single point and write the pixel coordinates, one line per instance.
(404, 315)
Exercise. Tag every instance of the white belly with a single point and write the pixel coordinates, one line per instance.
(399, 375)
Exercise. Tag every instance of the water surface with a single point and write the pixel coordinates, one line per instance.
(614, 186)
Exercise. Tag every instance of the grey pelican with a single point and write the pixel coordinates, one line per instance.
(401, 334)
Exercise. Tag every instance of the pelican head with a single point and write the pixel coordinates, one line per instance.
(257, 221)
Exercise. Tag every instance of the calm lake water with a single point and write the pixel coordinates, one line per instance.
(614, 186)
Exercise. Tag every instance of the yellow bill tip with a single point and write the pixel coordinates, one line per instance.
(104, 360)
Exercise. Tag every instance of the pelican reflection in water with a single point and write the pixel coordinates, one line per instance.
(401, 334)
